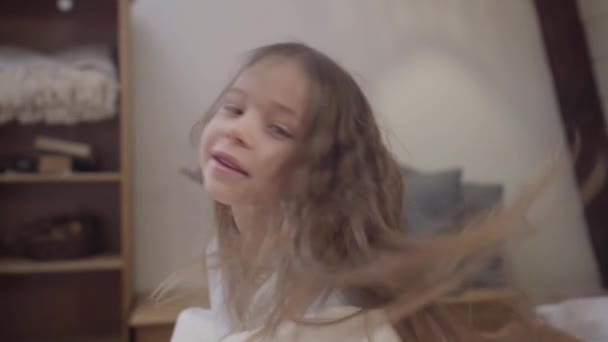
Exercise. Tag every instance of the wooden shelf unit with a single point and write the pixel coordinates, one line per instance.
(87, 299)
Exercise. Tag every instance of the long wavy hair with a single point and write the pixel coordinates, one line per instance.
(340, 227)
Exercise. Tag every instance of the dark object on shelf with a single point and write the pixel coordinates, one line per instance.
(85, 165)
(62, 237)
(19, 164)
(24, 164)
(6, 164)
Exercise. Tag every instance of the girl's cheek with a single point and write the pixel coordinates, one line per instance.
(203, 147)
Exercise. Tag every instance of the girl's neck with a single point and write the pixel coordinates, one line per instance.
(251, 218)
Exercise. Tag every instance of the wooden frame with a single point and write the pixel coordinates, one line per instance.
(581, 112)
(124, 37)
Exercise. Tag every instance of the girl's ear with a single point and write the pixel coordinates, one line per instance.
(195, 175)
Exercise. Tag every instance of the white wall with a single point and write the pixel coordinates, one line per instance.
(459, 82)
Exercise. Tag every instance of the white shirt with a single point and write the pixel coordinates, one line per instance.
(216, 293)
(217, 299)
(199, 325)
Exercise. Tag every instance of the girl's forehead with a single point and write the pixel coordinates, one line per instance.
(275, 79)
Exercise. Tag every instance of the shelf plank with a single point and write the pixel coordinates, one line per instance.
(93, 339)
(82, 177)
(110, 338)
(26, 266)
(149, 313)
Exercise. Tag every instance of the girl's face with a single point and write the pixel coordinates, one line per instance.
(245, 148)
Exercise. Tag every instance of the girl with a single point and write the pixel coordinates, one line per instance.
(308, 204)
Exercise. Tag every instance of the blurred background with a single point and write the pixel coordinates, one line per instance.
(97, 99)
(456, 84)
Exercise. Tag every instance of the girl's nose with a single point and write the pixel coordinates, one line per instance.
(241, 129)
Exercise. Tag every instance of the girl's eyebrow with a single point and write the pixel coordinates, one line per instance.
(283, 108)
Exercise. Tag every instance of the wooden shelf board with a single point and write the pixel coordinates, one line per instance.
(146, 312)
(106, 338)
(26, 266)
(82, 177)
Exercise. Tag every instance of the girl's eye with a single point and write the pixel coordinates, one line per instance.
(232, 109)
(279, 131)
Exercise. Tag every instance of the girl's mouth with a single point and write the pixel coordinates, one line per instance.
(228, 162)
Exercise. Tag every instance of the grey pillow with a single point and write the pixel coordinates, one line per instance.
(431, 200)
(480, 198)
(436, 202)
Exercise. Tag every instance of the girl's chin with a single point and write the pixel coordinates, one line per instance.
(220, 193)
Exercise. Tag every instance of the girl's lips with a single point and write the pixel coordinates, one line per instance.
(228, 162)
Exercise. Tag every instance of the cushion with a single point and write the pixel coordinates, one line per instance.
(480, 198)
(440, 202)
(431, 200)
